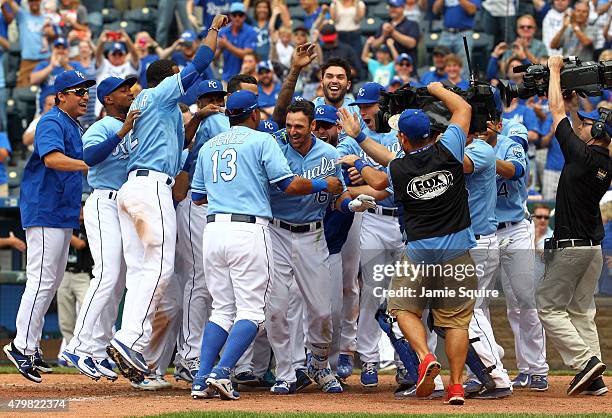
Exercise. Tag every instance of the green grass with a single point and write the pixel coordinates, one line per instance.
(351, 415)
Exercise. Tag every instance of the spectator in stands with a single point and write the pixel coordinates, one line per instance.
(5, 154)
(313, 11)
(74, 18)
(235, 40)
(575, 37)
(458, 22)
(437, 74)
(4, 46)
(249, 64)
(498, 19)
(210, 8)
(30, 24)
(48, 103)
(166, 10)
(332, 47)
(347, 16)
(381, 68)
(282, 49)
(541, 219)
(266, 23)
(404, 70)
(44, 73)
(526, 46)
(85, 57)
(552, 23)
(414, 10)
(453, 66)
(396, 83)
(268, 88)
(13, 242)
(404, 32)
(145, 45)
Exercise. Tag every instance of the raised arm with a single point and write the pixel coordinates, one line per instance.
(100, 48)
(134, 58)
(460, 109)
(352, 127)
(469, 7)
(556, 104)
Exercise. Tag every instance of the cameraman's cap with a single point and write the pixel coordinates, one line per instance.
(403, 57)
(326, 113)
(110, 84)
(60, 42)
(210, 86)
(594, 116)
(118, 46)
(241, 103)
(441, 50)
(188, 36)
(396, 3)
(69, 79)
(328, 33)
(368, 94)
(268, 126)
(413, 123)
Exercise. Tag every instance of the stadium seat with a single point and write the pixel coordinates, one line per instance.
(292, 3)
(111, 15)
(371, 3)
(146, 14)
(381, 10)
(369, 27)
(296, 22)
(297, 12)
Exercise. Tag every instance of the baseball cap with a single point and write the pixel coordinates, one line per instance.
(328, 33)
(110, 84)
(188, 36)
(396, 3)
(268, 126)
(441, 50)
(264, 65)
(210, 86)
(297, 98)
(241, 103)
(403, 57)
(118, 46)
(71, 78)
(413, 123)
(326, 113)
(237, 8)
(594, 116)
(396, 80)
(60, 42)
(368, 94)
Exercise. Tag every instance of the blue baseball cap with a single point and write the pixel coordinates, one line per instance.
(240, 103)
(403, 57)
(264, 65)
(326, 113)
(71, 78)
(396, 3)
(268, 126)
(188, 36)
(237, 8)
(414, 123)
(110, 84)
(594, 116)
(297, 98)
(368, 94)
(210, 86)
(60, 42)
(118, 46)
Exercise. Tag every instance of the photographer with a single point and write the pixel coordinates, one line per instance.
(565, 296)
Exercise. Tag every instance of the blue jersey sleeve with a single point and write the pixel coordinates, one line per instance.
(389, 188)
(516, 155)
(216, 125)
(169, 91)
(348, 146)
(49, 137)
(98, 143)
(274, 161)
(454, 139)
(197, 184)
(480, 157)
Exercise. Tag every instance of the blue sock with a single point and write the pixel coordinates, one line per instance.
(213, 340)
(240, 337)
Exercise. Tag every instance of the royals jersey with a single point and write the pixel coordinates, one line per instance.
(511, 194)
(481, 185)
(209, 128)
(236, 169)
(111, 173)
(318, 163)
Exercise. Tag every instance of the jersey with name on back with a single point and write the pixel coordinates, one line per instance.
(481, 185)
(235, 169)
(511, 194)
(111, 173)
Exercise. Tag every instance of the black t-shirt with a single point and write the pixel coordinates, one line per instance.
(344, 51)
(80, 261)
(409, 28)
(584, 180)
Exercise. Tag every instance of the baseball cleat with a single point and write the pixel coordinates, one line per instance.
(83, 364)
(472, 387)
(454, 395)
(521, 381)
(219, 379)
(345, 366)
(302, 380)
(325, 379)
(151, 383)
(402, 377)
(106, 369)
(596, 388)
(245, 378)
(538, 382)
(583, 380)
(132, 357)
(200, 390)
(126, 369)
(497, 393)
(181, 373)
(409, 392)
(62, 363)
(282, 387)
(429, 369)
(39, 362)
(369, 375)
(22, 362)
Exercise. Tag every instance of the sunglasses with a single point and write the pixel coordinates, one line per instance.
(404, 64)
(78, 92)
(526, 27)
(237, 14)
(324, 125)
(542, 217)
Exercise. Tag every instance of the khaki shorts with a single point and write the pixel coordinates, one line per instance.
(441, 287)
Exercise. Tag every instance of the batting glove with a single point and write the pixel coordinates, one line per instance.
(362, 203)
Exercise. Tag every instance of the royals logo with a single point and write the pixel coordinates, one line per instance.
(430, 185)
(325, 168)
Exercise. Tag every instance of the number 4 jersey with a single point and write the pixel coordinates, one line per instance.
(511, 193)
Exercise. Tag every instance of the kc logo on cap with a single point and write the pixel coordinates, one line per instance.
(79, 74)
(320, 111)
(361, 92)
(212, 84)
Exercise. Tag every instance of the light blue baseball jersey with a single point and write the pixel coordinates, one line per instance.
(481, 187)
(111, 173)
(511, 194)
(158, 136)
(318, 163)
(318, 101)
(236, 169)
(209, 128)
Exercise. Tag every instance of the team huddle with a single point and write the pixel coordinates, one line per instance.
(240, 243)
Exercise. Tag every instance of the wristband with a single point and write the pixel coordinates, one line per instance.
(318, 185)
(215, 29)
(344, 206)
(359, 138)
(360, 164)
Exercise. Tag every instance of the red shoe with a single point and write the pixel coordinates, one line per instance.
(455, 395)
(428, 370)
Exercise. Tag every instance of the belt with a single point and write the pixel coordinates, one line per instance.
(298, 228)
(110, 194)
(566, 243)
(161, 177)
(503, 225)
(384, 211)
(478, 236)
(250, 219)
(456, 30)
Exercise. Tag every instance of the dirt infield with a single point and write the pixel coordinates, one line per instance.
(89, 398)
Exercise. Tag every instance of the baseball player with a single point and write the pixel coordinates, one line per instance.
(105, 150)
(297, 239)
(191, 220)
(50, 203)
(235, 169)
(146, 210)
(517, 258)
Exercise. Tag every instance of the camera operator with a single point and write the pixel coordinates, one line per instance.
(565, 296)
